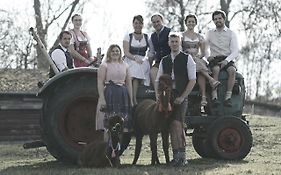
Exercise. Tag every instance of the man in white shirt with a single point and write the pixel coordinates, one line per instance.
(182, 69)
(223, 46)
(60, 54)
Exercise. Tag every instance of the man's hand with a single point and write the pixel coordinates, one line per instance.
(223, 64)
(150, 59)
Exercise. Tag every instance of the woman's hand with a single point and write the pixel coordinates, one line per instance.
(102, 101)
(102, 105)
(138, 59)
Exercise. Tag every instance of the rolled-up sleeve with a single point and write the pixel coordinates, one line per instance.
(233, 48)
(151, 51)
(160, 72)
(59, 59)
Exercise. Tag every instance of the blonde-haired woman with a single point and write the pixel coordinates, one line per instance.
(115, 92)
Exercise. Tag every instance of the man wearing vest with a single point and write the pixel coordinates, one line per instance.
(182, 70)
(224, 50)
(60, 54)
(160, 47)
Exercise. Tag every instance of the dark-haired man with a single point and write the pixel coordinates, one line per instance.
(223, 51)
(159, 40)
(60, 54)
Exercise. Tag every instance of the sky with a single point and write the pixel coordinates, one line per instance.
(105, 21)
(119, 21)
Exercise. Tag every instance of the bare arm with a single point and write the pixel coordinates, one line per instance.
(90, 53)
(128, 54)
(75, 54)
(159, 73)
(126, 50)
(101, 81)
(129, 85)
(151, 52)
(202, 47)
(89, 49)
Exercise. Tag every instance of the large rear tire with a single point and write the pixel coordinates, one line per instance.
(68, 119)
(230, 138)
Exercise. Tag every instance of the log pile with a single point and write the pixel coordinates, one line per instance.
(20, 80)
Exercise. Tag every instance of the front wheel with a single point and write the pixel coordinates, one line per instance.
(230, 138)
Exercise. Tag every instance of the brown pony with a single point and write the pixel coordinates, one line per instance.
(151, 117)
(100, 154)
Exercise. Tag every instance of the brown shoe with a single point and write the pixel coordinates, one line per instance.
(227, 103)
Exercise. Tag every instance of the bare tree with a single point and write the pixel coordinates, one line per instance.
(51, 14)
(175, 11)
(261, 23)
(15, 45)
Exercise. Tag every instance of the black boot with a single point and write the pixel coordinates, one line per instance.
(175, 160)
(179, 158)
(182, 157)
(126, 138)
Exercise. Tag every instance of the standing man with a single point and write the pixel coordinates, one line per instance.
(223, 46)
(182, 69)
(60, 54)
(160, 47)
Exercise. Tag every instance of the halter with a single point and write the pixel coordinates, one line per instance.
(110, 144)
(160, 106)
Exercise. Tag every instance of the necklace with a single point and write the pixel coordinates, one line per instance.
(138, 36)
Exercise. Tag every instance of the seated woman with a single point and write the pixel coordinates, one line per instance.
(135, 46)
(193, 44)
(80, 48)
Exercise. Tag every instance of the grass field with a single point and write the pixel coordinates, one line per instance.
(264, 158)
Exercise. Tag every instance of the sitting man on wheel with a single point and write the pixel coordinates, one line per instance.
(60, 54)
(223, 46)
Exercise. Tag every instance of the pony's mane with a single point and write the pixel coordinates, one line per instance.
(164, 90)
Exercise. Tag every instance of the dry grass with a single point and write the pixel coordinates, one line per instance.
(264, 158)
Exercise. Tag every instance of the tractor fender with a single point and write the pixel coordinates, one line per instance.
(64, 76)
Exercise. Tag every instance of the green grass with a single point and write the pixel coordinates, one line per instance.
(264, 158)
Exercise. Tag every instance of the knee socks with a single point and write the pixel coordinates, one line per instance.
(228, 94)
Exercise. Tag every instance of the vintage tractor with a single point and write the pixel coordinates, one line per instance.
(69, 108)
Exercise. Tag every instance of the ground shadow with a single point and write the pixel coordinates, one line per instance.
(198, 165)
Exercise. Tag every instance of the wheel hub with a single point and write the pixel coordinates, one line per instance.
(230, 140)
